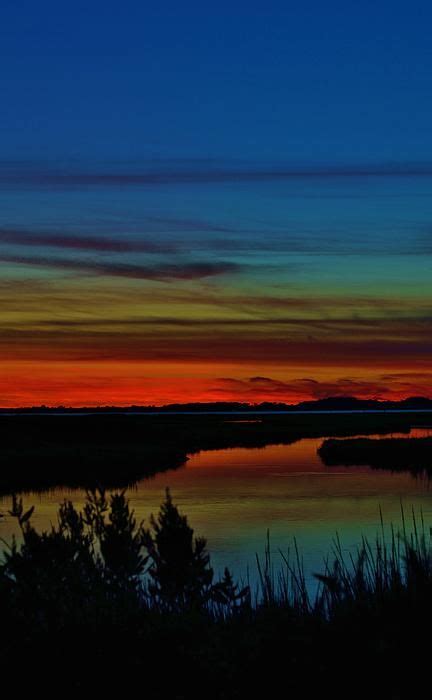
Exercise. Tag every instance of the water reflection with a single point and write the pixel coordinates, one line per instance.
(233, 496)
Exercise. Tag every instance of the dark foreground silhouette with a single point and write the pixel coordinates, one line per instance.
(103, 604)
(393, 454)
(40, 452)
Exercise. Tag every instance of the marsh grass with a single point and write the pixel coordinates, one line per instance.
(397, 562)
(100, 588)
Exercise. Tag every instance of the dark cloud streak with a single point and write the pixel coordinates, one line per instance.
(187, 172)
(19, 237)
(162, 272)
(418, 325)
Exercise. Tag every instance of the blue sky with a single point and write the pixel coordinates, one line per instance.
(275, 81)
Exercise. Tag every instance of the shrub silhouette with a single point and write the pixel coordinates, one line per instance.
(80, 561)
(120, 540)
(180, 571)
(102, 556)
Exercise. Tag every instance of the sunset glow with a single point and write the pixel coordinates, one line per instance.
(216, 307)
(195, 209)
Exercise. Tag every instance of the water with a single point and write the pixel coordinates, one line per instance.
(233, 496)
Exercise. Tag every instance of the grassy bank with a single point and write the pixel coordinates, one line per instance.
(40, 452)
(393, 454)
(102, 604)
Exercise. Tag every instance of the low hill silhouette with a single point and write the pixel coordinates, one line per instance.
(331, 403)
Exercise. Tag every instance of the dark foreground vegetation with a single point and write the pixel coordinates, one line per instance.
(44, 451)
(393, 454)
(103, 604)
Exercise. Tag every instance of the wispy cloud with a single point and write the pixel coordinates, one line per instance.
(174, 238)
(267, 389)
(184, 172)
(207, 345)
(419, 327)
(161, 272)
(23, 237)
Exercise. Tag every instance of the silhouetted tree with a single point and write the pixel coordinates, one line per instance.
(100, 557)
(180, 570)
(121, 540)
(229, 594)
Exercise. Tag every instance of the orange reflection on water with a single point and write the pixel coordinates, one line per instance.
(233, 496)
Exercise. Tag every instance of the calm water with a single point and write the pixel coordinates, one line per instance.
(233, 496)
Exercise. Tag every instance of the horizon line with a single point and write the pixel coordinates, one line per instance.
(126, 407)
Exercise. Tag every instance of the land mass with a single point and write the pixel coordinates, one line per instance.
(85, 450)
(332, 403)
(392, 454)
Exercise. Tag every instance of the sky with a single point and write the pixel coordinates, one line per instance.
(214, 203)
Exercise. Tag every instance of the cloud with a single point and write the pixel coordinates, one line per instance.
(163, 272)
(184, 225)
(185, 172)
(149, 238)
(256, 389)
(27, 337)
(20, 237)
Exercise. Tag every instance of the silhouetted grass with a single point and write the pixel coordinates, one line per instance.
(100, 603)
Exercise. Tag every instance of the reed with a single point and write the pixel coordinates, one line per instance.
(99, 585)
